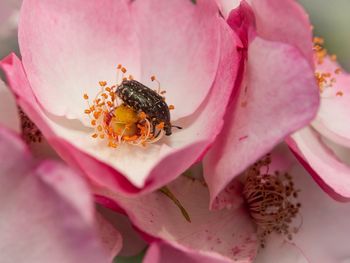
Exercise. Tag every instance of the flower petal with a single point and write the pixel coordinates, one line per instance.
(180, 44)
(163, 252)
(111, 238)
(227, 5)
(332, 120)
(328, 170)
(41, 220)
(278, 250)
(228, 233)
(149, 168)
(318, 213)
(8, 109)
(286, 22)
(81, 43)
(278, 97)
(75, 157)
(133, 244)
(316, 225)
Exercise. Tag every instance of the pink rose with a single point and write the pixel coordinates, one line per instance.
(69, 47)
(323, 147)
(235, 232)
(275, 92)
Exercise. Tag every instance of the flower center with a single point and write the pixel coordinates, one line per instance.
(129, 112)
(325, 79)
(271, 200)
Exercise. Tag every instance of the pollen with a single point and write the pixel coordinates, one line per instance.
(271, 200)
(325, 80)
(116, 123)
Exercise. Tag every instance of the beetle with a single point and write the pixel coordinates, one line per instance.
(141, 98)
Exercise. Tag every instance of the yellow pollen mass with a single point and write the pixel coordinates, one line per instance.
(125, 121)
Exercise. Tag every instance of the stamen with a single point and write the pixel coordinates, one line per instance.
(115, 122)
(271, 200)
(325, 80)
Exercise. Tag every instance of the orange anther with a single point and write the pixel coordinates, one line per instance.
(334, 57)
(97, 115)
(86, 97)
(171, 107)
(112, 144)
(125, 78)
(123, 70)
(103, 83)
(108, 89)
(130, 138)
(153, 78)
(131, 77)
(94, 135)
(119, 66)
(339, 93)
(337, 71)
(99, 128)
(160, 126)
(93, 122)
(87, 111)
(102, 136)
(142, 115)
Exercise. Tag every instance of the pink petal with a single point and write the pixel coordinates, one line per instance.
(67, 47)
(227, 233)
(160, 252)
(111, 238)
(278, 250)
(227, 5)
(75, 157)
(102, 35)
(332, 118)
(326, 168)
(133, 244)
(284, 21)
(41, 220)
(8, 109)
(278, 97)
(151, 168)
(323, 228)
(180, 44)
(325, 222)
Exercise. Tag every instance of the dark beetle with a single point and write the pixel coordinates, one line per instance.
(142, 98)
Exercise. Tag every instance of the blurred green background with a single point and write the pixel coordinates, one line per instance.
(332, 20)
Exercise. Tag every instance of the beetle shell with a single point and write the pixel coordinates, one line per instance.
(142, 98)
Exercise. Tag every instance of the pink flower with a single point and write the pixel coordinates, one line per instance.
(275, 92)
(321, 145)
(230, 234)
(211, 235)
(41, 219)
(67, 48)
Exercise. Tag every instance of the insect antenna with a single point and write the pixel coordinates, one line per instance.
(178, 127)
